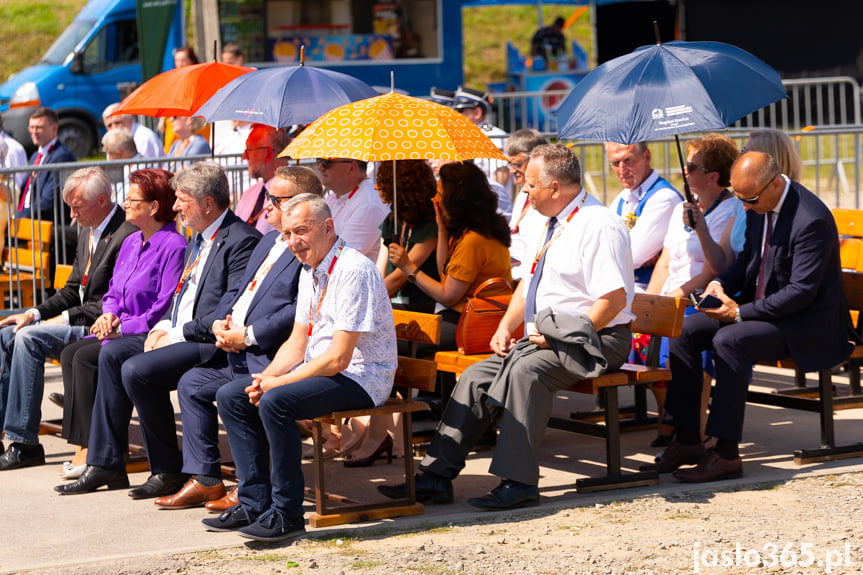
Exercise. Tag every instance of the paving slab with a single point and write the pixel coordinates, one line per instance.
(42, 529)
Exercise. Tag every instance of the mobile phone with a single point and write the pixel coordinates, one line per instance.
(709, 302)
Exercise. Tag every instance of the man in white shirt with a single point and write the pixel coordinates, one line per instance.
(16, 156)
(582, 284)
(262, 150)
(341, 355)
(526, 223)
(146, 140)
(355, 204)
(141, 370)
(120, 145)
(645, 205)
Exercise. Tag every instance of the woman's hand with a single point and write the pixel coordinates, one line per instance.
(697, 220)
(399, 257)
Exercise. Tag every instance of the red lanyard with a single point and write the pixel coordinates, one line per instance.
(312, 319)
(524, 209)
(188, 270)
(556, 233)
(354, 191)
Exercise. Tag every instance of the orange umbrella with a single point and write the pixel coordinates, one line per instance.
(393, 127)
(179, 92)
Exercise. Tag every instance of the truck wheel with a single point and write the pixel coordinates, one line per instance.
(77, 136)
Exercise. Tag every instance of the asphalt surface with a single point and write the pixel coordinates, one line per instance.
(42, 529)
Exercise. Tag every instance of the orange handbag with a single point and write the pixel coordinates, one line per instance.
(480, 318)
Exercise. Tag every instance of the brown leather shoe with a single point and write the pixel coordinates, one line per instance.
(230, 500)
(193, 494)
(711, 468)
(676, 454)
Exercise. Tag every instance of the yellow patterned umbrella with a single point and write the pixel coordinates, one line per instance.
(393, 127)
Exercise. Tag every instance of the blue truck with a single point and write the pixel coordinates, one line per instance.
(92, 64)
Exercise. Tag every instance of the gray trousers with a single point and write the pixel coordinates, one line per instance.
(523, 419)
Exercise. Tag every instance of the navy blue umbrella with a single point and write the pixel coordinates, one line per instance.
(284, 95)
(666, 90)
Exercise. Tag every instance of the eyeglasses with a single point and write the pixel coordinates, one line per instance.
(754, 199)
(691, 167)
(248, 151)
(326, 163)
(517, 166)
(277, 200)
(132, 200)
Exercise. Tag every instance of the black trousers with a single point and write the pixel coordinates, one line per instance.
(80, 365)
(736, 346)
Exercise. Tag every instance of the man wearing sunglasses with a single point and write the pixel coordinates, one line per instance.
(262, 149)
(356, 206)
(254, 319)
(782, 297)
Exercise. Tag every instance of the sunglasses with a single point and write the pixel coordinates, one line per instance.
(754, 199)
(326, 163)
(690, 167)
(277, 200)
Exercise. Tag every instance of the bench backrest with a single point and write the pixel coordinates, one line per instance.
(849, 224)
(416, 328)
(658, 315)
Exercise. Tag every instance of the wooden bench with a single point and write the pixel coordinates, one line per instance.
(655, 315)
(823, 400)
(26, 261)
(411, 374)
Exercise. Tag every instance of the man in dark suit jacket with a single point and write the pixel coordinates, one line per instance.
(62, 319)
(41, 189)
(258, 316)
(787, 285)
(142, 370)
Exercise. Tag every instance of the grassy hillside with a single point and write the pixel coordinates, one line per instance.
(29, 27)
(488, 28)
(35, 24)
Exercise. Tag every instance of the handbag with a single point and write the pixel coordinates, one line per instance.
(480, 318)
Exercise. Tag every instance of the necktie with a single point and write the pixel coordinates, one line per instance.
(196, 248)
(530, 300)
(259, 205)
(762, 268)
(26, 191)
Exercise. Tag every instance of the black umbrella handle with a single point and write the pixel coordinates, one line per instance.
(687, 193)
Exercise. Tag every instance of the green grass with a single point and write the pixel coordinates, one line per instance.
(34, 25)
(488, 28)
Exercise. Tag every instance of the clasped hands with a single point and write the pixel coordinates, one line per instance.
(260, 384)
(229, 336)
(105, 326)
(502, 341)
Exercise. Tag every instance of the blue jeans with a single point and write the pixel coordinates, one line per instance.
(252, 429)
(22, 374)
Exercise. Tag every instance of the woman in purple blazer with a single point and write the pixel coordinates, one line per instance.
(147, 271)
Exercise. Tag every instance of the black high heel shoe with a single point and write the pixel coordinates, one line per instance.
(386, 446)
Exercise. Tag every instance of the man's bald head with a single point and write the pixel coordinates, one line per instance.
(756, 182)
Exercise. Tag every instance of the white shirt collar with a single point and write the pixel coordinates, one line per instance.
(781, 201)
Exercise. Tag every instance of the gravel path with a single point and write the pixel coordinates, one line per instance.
(803, 526)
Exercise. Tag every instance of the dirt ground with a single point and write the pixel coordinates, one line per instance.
(809, 525)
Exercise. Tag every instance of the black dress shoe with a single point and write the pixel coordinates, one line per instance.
(507, 495)
(92, 479)
(675, 455)
(430, 488)
(159, 485)
(56, 399)
(20, 455)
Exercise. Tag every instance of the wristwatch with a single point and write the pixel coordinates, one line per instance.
(737, 318)
(412, 277)
(247, 341)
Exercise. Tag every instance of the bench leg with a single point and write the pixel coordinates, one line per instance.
(828, 450)
(614, 479)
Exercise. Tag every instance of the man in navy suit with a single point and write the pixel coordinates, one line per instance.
(215, 260)
(42, 190)
(257, 317)
(787, 294)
